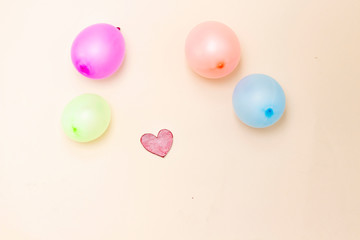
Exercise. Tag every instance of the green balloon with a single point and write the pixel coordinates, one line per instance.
(86, 118)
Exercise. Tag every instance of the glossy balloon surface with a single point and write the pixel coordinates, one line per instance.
(98, 51)
(212, 49)
(86, 118)
(258, 100)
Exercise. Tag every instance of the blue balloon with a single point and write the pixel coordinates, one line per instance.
(258, 100)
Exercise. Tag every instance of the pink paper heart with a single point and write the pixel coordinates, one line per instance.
(159, 145)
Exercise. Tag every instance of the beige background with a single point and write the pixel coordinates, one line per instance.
(298, 180)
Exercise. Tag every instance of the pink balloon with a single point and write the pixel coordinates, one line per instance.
(212, 49)
(98, 51)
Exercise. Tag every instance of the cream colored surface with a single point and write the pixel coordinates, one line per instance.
(298, 180)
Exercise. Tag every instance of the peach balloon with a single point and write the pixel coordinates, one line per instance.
(212, 49)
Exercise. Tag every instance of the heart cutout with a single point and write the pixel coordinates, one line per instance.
(159, 145)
